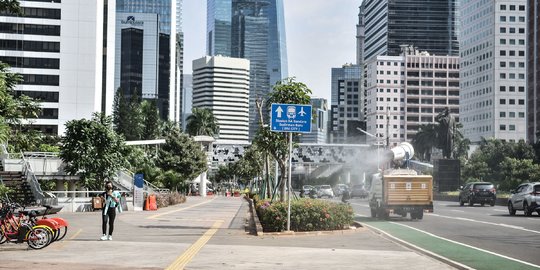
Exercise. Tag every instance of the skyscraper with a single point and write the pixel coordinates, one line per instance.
(533, 71)
(319, 125)
(147, 43)
(492, 70)
(347, 101)
(57, 47)
(221, 84)
(254, 30)
(429, 25)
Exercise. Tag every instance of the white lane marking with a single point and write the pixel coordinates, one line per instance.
(499, 210)
(461, 211)
(532, 218)
(358, 215)
(419, 248)
(485, 222)
(469, 246)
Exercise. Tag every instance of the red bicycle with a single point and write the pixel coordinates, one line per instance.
(16, 230)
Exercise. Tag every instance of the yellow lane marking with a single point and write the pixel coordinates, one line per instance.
(62, 244)
(76, 234)
(190, 253)
(178, 210)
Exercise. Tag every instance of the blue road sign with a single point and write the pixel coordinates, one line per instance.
(291, 118)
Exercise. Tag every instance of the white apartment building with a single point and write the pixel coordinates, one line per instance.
(385, 99)
(405, 92)
(221, 84)
(57, 46)
(493, 68)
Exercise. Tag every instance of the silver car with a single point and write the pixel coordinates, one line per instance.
(525, 198)
(326, 191)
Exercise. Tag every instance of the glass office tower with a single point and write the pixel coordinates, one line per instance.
(153, 67)
(429, 25)
(255, 30)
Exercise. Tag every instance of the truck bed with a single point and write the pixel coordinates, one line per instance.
(408, 189)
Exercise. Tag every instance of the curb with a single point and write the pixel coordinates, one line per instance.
(254, 219)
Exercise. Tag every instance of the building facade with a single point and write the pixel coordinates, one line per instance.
(187, 98)
(254, 30)
(533, 70)
(430, 26)
(57, 47)
(319, 124)
(405, 92)
(346, 105)
(493, 68)
(146, 61)
(221, 84)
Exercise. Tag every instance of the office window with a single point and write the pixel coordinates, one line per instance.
(503, 64)
(502, 114)
(502, 75)
(521, 102)
(503, 19)
(502, 88)
(502, 41)
(512, 114)
(503, 7)
(511, 127)
(502, 53)
(502, 127)
(502, 30)
(512, 101)
(502, 101)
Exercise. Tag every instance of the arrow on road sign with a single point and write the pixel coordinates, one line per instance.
(279, 110)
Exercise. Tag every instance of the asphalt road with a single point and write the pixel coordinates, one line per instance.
(484, 227)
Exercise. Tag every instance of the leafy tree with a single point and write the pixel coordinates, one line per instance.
(225, 173)
(499, 161)
(182, 155)
(11, 6)
(151, 121)
(516, 171)
(276, 144)
(202, 122)
(250, 165)
(127, 116)
(91, 149)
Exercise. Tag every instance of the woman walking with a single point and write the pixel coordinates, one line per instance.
(112, 202)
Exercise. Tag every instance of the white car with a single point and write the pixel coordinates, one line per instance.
(526, 198)
(326, 191)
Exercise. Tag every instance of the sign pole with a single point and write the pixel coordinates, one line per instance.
(289, 184)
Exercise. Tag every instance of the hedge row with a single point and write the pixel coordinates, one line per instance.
(306, 215)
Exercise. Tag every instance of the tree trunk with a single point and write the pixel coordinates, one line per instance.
(283, 178)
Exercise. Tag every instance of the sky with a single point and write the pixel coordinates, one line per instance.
(321, 34)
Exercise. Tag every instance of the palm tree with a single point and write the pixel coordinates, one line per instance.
(202, 122)
(424, 141)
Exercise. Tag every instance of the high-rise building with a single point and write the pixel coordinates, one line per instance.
(254, 30)
(146, 61)
(533, 71)
(430, 25)
(492, 69)
(221, 84)
(319, 125)
(346, 105)
(407, 91)
(187, 98)
(58, 47)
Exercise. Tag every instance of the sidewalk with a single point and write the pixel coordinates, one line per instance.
(207, 233)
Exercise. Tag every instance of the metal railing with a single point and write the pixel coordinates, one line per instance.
(32, 181)
(41, 154)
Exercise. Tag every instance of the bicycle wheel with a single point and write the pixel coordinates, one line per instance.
(38, 237)
(62, 234)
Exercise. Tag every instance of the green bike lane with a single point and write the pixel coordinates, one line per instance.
(457, 254)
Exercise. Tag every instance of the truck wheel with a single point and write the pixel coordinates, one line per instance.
(373, 213)
(382, 214)
(461, 203)
(471, 203)
(492, 203)
(420, 214)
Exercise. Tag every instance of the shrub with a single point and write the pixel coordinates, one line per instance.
(168, 199)
(306, 215)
